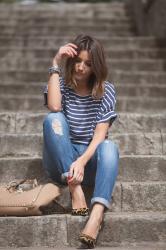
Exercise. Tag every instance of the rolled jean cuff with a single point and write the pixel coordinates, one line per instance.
(101, 201)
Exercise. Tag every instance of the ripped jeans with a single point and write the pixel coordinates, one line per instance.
(59, 153)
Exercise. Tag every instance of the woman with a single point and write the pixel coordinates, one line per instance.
(75, 145)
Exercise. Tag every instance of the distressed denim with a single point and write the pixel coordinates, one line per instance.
(59, 153)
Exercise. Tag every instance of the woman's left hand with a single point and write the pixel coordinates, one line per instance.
(77, 171)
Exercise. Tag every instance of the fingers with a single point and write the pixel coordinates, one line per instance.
(69, 49)
(72, 45)
(76, 178)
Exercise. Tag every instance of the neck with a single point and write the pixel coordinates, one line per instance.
(82, 88)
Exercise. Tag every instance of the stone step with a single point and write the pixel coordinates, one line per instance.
(53, 42)
(27, 122)
(129, 144)
(139, 77)
(146, 90)
(117, 76)
(58, 21)
(63, 230)
(127, 196)
(72, 31)
(124, 104)
(132, 168)
(61, 10)
(31, 63)
(135, 246)
(112, 52)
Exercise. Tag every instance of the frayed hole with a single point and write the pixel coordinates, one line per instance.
(57, 127)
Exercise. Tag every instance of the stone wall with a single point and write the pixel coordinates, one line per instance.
(149, 17)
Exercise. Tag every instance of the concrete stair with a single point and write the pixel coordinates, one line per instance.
(137, 66)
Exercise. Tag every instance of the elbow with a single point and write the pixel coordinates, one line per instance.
(54, 108)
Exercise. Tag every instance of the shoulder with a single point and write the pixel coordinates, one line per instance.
(109, 88)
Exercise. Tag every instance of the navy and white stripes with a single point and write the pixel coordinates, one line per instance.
(84, 112)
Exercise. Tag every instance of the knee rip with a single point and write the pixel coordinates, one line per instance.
(57, 127)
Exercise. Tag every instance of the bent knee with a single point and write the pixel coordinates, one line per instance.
(108, 147)
(54, 121)
(53, 115)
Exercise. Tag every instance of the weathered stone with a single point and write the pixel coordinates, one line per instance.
(112, 52)
(144, 196)
(123, 228)
(141, 144)
(7, 122)
(130, 123)
(142, 168)
(138, 77)
(24, 122)
(163, 138)
(131, 168)
(33, 231)
(31, 63)
(12, 169)
(32, 123)
(52, 42)
(124, 104)
(17, 145)
(149, 17)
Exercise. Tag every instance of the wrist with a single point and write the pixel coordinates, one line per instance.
(55, 69)
(84, 159)
(56, 60)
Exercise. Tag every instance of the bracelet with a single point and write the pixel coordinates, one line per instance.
(54, 69)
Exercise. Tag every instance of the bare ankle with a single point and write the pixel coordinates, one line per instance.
(78, 197)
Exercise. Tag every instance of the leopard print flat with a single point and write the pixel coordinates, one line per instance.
(80, 211)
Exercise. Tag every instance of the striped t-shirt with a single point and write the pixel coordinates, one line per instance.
(83, 113)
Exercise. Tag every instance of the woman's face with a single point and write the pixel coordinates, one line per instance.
(82, 68)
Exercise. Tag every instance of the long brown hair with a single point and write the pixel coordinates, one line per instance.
(98, 65)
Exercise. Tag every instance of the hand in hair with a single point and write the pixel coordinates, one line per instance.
(68, 50)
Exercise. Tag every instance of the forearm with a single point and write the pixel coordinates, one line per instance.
(54, 93)
(99, 136)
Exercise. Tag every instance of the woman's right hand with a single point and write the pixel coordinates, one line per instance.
(68, 50)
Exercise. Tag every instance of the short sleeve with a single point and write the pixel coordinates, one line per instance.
(107, 108)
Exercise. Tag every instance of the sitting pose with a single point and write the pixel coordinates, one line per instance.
(75, 132)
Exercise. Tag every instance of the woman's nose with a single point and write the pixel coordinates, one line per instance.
(81, 66)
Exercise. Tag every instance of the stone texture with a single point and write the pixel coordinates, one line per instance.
(137, 67)
(124, 103)
(20, 168)
(28, 122)
(53, 231)
(144, 196)
(112, 52)
(17, 145)
(35, 231)
(141, 144)
(124, 227)
(149, 17)
(131, 144)
(131, 168)
(135, 122)
(30, 63)
(149, 246)
(138, 77)
(7, 122)
(50, 42)
(142, 168)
